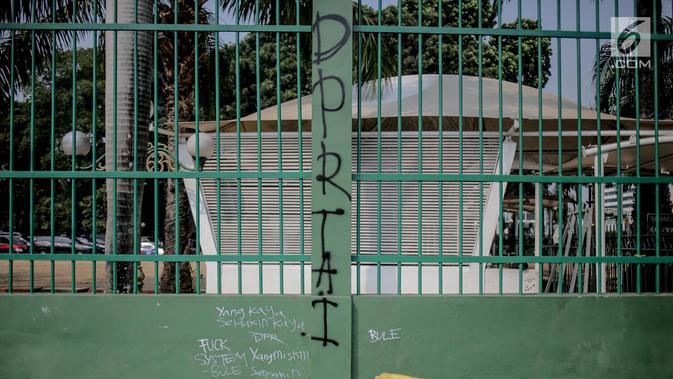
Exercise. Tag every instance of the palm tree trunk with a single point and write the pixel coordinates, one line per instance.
(121, 92)
(184, 228)
(646, 93)
(178, 219)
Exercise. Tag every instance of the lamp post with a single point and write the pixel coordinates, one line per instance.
(80, 143)
(80, 140)
(206, 146)
(159, 158)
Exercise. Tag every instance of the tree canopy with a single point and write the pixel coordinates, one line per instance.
(43, 146)
(287, 49)
(255, 92)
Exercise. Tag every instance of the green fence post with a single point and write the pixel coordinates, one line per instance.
(332, 59)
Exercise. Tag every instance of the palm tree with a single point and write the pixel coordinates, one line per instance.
(38, 11)
(180, 105)
(131, 119)
(611, 78)
(638, 101)
(30, 51)
(127, 103)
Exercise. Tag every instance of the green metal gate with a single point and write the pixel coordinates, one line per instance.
(416, 156)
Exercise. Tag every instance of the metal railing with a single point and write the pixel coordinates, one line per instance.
(439, 141)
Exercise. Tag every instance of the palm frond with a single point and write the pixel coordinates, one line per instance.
(617, 86)
(187, 61)
(369, 65)
(59, 11)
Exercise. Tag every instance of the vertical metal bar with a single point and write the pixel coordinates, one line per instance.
(480, 48)
(114, 156)
(176, 136)
(197, 127)
(520, 148)
(359, 152)
(379, 90)
(10, 268)
(94, 139)
(399, 149)
(73, 186)
(600, 188)
(500, 156)
(52, 157)
(619, 169)
(218, 148)
(420, 147)
(559, 113)
(260, 240)
(539, 227)
(638, 186)
(440, 185)
(281, 267)
(155, 73)
(580, 187)
(239, 238)
(33, 100)
(300, 141)
(460, 149)
(657, 194)
(136, 231)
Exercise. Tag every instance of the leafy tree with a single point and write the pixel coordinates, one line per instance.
(43, 148)
(430, 63)
(62, 11)
(268, 89)
(301, 11)
(491, 60)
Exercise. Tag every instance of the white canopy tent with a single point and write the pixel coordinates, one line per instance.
(497, 103)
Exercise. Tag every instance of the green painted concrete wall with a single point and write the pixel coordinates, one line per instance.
(519, 337)
(165, 337)
(269, 336)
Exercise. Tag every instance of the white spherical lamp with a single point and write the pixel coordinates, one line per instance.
(82, 144)
(206, 145)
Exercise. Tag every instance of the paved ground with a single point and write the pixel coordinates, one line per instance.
(63, 276)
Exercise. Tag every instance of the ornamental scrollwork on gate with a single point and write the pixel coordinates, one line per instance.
(164, 159)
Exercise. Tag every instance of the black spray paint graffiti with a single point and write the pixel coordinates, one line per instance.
(324, 109)
(328, 178)
(336, 91)
(326, 262)
(324, 339)
(323, 55)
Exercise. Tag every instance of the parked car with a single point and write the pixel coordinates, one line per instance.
(84, 240)
(16, 234)
(62, 245)
(100, 239)
(16, 245)
(148, 248)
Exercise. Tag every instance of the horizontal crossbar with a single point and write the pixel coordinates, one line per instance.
(364, 176)
(386, 258)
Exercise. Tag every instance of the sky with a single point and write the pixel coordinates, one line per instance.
(575, 83)
(568, 69)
